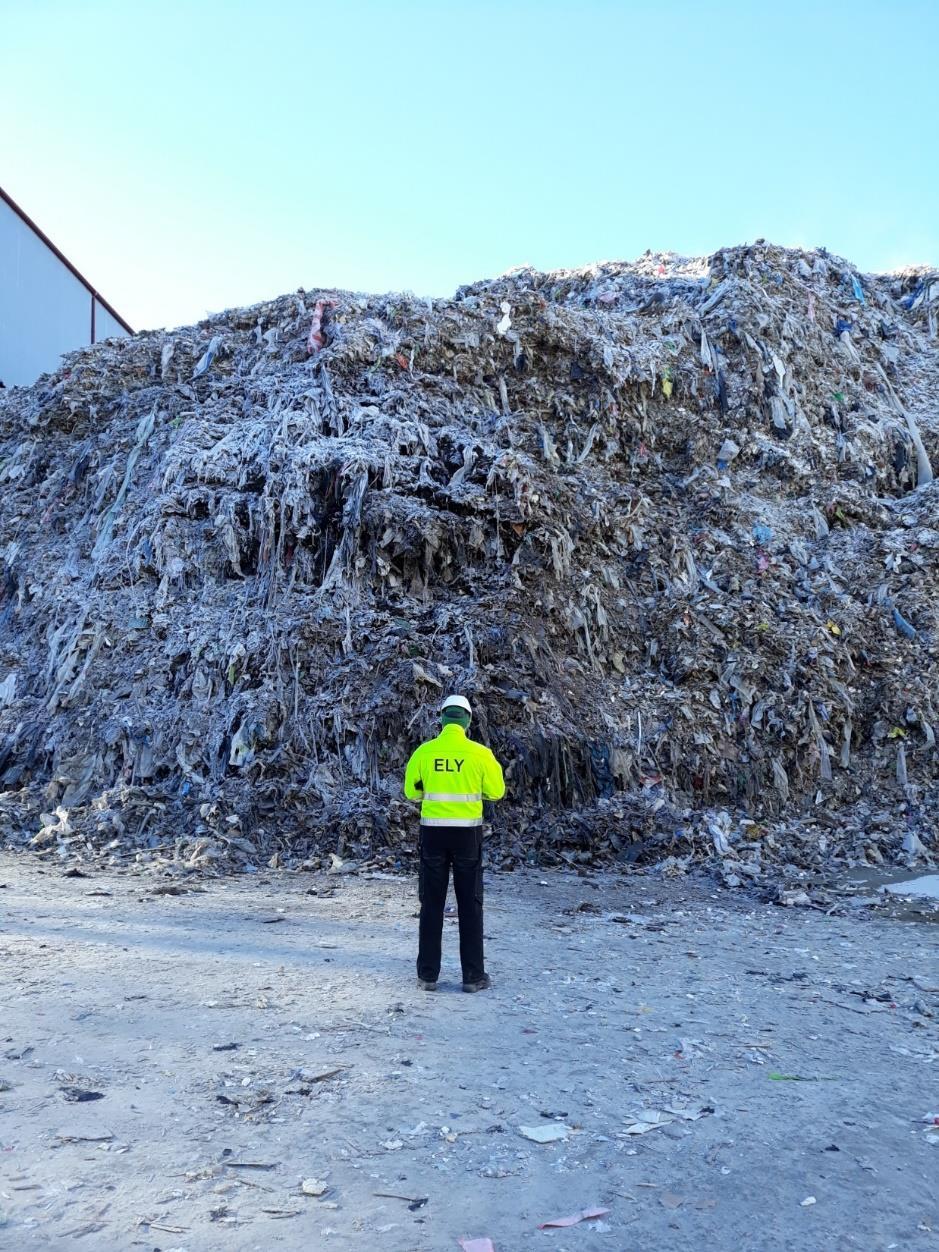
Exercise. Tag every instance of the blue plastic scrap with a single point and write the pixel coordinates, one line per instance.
(762, 534)
(903, 626)
(208, 357)
(843, 324)
(857, 289)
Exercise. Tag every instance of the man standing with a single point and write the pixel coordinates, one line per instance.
(451, 776)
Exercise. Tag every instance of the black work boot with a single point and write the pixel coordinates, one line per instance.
(425, 984)
(482, 985)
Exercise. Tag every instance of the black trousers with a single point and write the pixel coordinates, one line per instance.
(443, 848)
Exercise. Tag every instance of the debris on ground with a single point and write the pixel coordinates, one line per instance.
(551, 1132)
(654, 1119)
(312, 1186)
(670, 524)
(586, 1215)
(598, 1026)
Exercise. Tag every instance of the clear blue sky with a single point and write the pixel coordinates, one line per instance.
(189, 157)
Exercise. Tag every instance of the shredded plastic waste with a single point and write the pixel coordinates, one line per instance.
(670, 524)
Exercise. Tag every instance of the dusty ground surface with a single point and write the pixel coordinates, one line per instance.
(249, 1036)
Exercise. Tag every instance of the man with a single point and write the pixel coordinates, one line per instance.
(451, 776)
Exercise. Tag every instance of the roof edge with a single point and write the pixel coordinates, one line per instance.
(8, 199)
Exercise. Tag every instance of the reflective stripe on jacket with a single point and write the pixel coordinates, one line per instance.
(451, 776)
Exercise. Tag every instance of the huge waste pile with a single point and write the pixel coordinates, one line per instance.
(672, 525)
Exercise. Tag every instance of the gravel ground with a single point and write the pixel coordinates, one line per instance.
(253, 1035)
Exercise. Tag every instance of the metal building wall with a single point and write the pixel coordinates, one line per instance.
(45, 308)
(106, 326)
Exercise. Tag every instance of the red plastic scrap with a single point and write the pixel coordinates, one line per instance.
(317, 339)
(585, 1215)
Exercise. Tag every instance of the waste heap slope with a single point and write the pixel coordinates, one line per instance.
(670, 524)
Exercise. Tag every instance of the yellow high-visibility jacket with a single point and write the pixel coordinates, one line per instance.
(451, 776)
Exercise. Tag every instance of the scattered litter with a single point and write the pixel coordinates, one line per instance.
(476, 1245)
(19, 1054)
(163, 1226)
(310, 1186)
(552, 1132)
(80, 1095)
(89, 1228)
(251, 1101)
(414, 1203)
(585, 1215)
(654, 1119)
(323, 1074)
(310, 1076)
(63, 1140)
(808, 1201)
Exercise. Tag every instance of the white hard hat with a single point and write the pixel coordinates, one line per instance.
(459, 702)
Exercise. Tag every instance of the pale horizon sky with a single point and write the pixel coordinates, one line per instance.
(192, 157)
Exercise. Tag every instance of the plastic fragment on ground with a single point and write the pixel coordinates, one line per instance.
(585, 1215)
(551, 1132)
(647, 1120)
(311, 1186)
